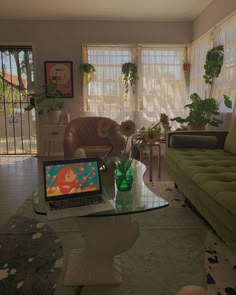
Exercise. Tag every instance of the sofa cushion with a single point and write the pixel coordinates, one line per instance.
(230, 142)
(214, 171)
(193, 141)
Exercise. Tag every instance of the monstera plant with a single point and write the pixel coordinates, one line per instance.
(203, 111)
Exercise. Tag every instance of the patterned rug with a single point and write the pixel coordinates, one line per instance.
(220, 262)
(175, 248)
(31, 257)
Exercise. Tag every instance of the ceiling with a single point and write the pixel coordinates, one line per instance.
(134, 10)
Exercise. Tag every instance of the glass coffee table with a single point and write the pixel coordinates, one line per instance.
(107, 234)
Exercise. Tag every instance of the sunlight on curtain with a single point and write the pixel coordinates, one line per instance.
(226, 35)
(105, 93)
(198, 57)
(162, 85)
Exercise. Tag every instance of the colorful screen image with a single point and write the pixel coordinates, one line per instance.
(72, 178)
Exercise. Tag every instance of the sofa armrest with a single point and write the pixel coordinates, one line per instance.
(196, 139)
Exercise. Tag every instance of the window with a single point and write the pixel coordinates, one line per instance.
(17, 127)
(163, 87)
(160, 88)
(105, 93)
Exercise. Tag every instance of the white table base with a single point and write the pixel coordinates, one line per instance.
(105, 238)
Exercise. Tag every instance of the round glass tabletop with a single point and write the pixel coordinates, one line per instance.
(139, 199)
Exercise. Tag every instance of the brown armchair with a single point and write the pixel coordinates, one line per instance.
(82, 133)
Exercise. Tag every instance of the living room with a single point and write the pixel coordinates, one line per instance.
(67, 37)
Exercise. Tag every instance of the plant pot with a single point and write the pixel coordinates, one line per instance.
(197, 127)
(54, 117)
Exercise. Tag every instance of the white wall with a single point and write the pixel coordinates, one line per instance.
(213, 14)
(61, 40)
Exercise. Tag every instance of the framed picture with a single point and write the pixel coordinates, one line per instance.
(59, 79)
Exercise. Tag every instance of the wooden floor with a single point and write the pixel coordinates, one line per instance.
(20, 175)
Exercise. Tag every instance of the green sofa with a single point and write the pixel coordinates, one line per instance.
(203, 166)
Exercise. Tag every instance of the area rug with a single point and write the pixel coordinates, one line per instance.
(219, 261)
(175, 248)
(31, 257)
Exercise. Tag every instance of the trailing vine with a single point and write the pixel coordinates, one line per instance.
(88, 69)
(130, 75)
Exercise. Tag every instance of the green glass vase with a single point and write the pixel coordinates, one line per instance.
(124, 174)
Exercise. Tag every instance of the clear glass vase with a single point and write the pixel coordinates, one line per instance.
(124, 175)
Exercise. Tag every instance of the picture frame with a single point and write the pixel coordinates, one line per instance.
(59, 79)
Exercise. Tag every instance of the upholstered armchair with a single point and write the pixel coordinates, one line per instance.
(81, 133)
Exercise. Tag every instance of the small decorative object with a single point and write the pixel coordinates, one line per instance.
(88, 69)
(203, 111)
(124, 175)
(151, 137)
(59, 78)
(130, 75)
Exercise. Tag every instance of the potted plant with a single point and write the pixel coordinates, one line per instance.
(130, 75)
(203, 111)
(88, 70)
(52, 105)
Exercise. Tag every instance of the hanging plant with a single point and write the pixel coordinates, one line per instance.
(130, 75)
(88, 69)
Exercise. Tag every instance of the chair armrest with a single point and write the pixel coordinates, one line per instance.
(70, 143)
(196, 139)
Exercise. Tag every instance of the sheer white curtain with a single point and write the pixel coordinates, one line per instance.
(225, 35)
(162, 86)
(198, 57)
(104, 95)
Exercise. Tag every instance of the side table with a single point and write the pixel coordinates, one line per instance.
(150, 146)
(49, 135)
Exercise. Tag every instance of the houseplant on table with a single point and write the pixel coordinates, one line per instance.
(203, 111)
(52, 105)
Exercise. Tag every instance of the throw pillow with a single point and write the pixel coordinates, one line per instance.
(230, 142)
(193, 141)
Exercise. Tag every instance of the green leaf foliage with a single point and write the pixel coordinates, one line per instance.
(130, 75)
(213, 64)
(202, 111)
(39, 100)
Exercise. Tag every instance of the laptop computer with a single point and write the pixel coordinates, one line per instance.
(73, 188)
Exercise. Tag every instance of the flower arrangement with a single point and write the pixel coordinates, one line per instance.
(127, 129)
(151, 137)
(165, 121)
(122, 165)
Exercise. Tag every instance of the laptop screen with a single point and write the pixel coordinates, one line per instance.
(71, 178)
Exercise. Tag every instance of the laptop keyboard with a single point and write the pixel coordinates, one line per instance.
(70, 203)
